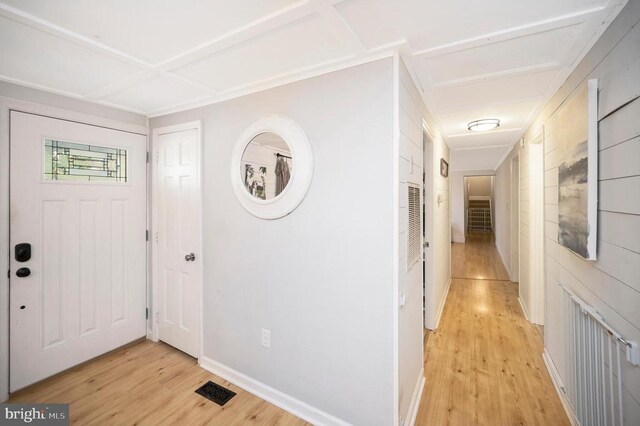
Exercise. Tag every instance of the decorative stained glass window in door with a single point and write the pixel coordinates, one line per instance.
(80, 162)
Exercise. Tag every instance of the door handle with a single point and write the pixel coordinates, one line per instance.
(190, 257)
(23, 272)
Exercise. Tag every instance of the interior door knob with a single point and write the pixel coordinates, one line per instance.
(190, 257)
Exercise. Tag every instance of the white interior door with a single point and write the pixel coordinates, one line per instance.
(78, 197)
(177, 236)
(427, 231)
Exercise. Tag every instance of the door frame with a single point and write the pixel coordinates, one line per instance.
(429, 319)
(514, 218)
(8, 104)
(153, 333)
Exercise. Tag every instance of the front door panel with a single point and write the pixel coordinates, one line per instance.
(78, 199)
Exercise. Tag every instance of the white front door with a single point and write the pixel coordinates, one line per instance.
(177, 236)
(78, 199)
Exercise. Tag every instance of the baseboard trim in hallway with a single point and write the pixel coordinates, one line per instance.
(557, 384)
(415, 400)
(442, 303)
(279, 399)
(524, 309)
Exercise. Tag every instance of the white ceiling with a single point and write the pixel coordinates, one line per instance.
(491, 59)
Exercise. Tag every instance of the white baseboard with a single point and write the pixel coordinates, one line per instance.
(415, 400)
(558, 385)
(151, 336)
(459, 239)
(280, 399)
(524, 309)
(441, 307)
(504, 263)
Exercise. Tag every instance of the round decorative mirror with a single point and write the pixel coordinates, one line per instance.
(272, 166)
(266, 166)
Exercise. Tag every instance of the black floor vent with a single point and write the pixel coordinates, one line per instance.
(215, 393)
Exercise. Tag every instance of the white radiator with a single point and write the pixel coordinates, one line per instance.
(593, 384)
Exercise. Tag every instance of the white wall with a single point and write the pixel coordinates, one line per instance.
(479, 186)
(458, 208)
(410, 322)
(612, 283)
(320, 279)
(469, 160)
(412, 114)
(32, 100)
(502, 212)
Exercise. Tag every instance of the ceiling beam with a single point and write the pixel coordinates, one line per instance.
(510, 33)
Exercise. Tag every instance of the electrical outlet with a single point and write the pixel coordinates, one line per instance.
(266, 338)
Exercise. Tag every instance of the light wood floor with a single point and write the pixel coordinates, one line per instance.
(149, 384)
(483, 365)
(477, 258)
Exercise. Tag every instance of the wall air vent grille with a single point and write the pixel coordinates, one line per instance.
(413, 226)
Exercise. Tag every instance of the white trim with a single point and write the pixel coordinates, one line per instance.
(395, 296)
(503, 262)
(153, 334)
(414, 407)
(459, 239)
(301, 173)
(327, 67)
(69, 115)
(514, 218)
(442, 303)
(558, 385)
(592, 187)
(536, 229)
(524, 309)
(280, 399)
(479, 197)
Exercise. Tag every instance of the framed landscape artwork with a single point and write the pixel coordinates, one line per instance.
(578, 171)
(444, 168)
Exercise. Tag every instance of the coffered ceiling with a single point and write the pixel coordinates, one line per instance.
(491, 59)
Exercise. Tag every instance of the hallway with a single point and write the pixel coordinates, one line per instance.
(483, 365)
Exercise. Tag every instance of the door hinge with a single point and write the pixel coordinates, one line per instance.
(148, 156)
(9, 273)
(147, 234)
(146, 313)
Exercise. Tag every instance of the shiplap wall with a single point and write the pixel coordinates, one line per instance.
(409, 280)
(411, 114)
(612, 283)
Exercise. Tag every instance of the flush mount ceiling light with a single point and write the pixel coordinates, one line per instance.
(484, 125)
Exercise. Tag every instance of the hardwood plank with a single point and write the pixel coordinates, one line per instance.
(478, 258)
(148, 384)
(483, 365)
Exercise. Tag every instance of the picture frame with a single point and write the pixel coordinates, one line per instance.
(578, 171)
(444, 168)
